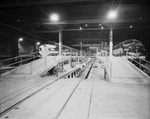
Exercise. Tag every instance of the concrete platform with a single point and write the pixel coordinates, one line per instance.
(14, 88)
(35, 66)
(124, 71)
(94, 98)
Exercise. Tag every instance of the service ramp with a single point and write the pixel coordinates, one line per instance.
(91, 98)
(124, 71)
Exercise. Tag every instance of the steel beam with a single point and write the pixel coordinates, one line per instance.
(87, 29)
(42, 2)
(88, 45)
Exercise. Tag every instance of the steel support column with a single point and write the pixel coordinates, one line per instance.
(60, 42)
(111, 41)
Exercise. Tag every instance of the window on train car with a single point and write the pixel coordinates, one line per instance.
(51, 49)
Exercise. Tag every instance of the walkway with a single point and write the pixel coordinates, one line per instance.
(124, 71)
(94, 98)
(20, 83)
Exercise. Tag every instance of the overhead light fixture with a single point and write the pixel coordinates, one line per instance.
(54, 17)
(112, 14)
(131, 26)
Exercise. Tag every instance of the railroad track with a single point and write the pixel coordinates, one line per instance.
(40, 89)
(83, 77)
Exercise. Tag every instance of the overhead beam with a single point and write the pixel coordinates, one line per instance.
(42, 2)
(88, 45)
(102, 20)
(84, 29)
(18, 29)
(87, 29)
(77, 21)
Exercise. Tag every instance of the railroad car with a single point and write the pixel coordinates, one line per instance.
(130, 47)
(53, 50)
(48, 49)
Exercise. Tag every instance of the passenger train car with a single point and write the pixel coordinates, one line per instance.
(130, 47)
(48, 49)
(53, 50)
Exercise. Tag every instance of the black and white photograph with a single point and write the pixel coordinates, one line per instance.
(74, 59)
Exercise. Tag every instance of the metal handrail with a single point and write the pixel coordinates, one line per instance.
(79, 69)
(18, 60)
(46, 63)
(20, 56)
(140, 62)
(36, 67)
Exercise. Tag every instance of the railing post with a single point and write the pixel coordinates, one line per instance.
(70, 62)
(21, 60)
(105, 73)
(57, 70)
(62, 66)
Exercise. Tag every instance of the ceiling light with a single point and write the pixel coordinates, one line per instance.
(112, 14)
(131, 26)
(54, 17)
(20, 39)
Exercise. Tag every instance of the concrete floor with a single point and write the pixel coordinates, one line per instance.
(94, 98)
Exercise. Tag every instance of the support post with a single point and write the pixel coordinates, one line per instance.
(105, 73)
(81, 48)
(60, 41)
(110, 41)
(70, 62)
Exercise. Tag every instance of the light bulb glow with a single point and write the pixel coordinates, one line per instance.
(80, 28)
(131, 26)
(112, 14)
(54, 17)
(20, 40)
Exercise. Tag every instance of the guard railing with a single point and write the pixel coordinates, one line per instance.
(15, 62)
(141, 63)
(35, 66)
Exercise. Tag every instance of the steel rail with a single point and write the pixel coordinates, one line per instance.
(65, 104)
(91, 93)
